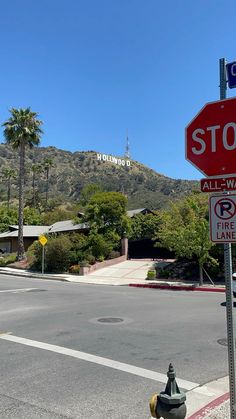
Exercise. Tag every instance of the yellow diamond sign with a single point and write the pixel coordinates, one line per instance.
(43, 240)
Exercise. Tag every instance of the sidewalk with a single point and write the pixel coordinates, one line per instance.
(130, 273)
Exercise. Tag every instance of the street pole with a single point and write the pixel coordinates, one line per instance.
(228, 282)
(42, 259)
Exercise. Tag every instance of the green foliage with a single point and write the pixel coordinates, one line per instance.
(57, 254)
(99, 246)
(10, 217)
(144, 226)
(88, 191)
(22, 127)
(113, 254)
(6, 260)
(163, 273)
(7, 217)
(184, 229)
(22, 130)
(73, 171)
(106, 212)
(151, 274)
(74, 269)
(58, 214)
(32, 216)
(10, 258)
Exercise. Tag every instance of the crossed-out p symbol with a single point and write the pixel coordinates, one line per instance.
(225, 208)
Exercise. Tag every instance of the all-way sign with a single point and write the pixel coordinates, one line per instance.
(218, 184)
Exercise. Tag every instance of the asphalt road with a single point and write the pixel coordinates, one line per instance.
(152, 329)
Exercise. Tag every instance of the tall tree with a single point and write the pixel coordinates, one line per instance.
(8, 174)
(88, 191)
(47, 164)
(22, 130)
(184, 228)
(36, 169)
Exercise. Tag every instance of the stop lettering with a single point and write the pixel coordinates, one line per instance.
(211, 138)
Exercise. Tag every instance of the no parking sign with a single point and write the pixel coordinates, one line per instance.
(223, 218)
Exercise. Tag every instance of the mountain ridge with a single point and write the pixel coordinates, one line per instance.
(71, 171)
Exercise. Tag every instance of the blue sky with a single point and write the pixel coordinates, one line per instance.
(97, 69)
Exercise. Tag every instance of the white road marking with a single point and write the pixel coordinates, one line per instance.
(19, 290)
(131, 369)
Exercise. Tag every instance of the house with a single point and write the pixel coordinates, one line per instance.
(9, 239)
(143, 211)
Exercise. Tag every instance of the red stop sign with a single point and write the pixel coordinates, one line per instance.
(211, 138)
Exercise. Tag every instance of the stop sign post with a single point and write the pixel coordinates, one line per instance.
(210, 144)
(211, 139)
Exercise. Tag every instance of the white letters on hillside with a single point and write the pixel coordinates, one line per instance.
(107, 157)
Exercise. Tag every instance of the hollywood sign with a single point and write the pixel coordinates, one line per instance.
(106, 157)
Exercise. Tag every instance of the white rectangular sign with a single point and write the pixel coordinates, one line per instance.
(223, 218)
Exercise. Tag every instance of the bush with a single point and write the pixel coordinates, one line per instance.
(163, 273)
(151, 274)
(74, 269)
(91, 259)
(101, 258)
(57, 254)
(99, 246)
(10, 258)
(2, 262)
(84, 264)
(113, 254)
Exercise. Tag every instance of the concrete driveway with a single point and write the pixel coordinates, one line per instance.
(120, 274)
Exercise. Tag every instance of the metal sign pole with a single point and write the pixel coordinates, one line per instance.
(42, 259)
(228, 283)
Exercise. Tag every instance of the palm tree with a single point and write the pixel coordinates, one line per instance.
(22, 130)
(8, 174)
(36, 170)
(47, 164)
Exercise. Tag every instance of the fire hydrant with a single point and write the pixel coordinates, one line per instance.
(169, 404)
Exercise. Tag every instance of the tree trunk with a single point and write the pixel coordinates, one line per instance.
(8, 193)
(21, 250)
(200, 275)
(47, 180)
(34, 200)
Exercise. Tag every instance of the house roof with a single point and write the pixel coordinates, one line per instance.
(59, 227)
(66, 225)
(28, 231)
(134, 212)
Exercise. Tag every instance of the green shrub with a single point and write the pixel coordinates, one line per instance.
(91, 259)
(99, 246)
(151, 274)
(101, 258)
(2, 262)
(113, 254)
(164, 273)
(5, 260)
(57, 254)
(84, 264)
(10, 258)
(74, 269)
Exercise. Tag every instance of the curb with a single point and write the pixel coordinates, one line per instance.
(37, 276)
(200, 414)
(178, 287)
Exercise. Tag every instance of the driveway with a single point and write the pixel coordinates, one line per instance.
(120, 274)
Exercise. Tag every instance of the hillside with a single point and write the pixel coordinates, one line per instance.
(72, 171)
